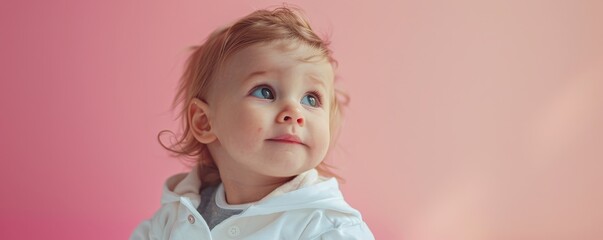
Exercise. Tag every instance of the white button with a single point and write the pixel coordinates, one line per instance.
(191, 219)
(234, 231)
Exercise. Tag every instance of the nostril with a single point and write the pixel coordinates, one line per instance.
(287, 118)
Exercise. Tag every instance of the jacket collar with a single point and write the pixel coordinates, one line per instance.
(294, 194)
(182, 185)
(189, 184)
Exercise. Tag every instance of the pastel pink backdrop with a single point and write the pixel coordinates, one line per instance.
(468, 119)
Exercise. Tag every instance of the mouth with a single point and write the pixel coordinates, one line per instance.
(287, 138)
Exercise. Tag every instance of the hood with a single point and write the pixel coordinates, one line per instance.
(307, 190)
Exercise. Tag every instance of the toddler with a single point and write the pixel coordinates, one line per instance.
(260, 113)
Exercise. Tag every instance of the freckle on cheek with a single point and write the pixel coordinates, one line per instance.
(259, 130)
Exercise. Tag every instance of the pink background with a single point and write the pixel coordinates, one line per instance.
(468, 120)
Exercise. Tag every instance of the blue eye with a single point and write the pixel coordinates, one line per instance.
(263, 92)
(310, 100)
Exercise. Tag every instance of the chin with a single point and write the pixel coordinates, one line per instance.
(289, 164)
(287, 172)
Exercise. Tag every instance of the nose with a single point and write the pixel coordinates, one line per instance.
(291, 114)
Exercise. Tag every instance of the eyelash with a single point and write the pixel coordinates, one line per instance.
(316, 94)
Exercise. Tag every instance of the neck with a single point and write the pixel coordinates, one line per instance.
(241, 190)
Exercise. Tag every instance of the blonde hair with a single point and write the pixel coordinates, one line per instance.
(282, 23)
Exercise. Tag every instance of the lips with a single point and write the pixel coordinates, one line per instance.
(287, 138)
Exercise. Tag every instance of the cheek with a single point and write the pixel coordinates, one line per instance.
(326, 134)
(250, 121)
(322, 134)
(248, 128)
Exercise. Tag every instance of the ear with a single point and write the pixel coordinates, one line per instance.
(199, 121)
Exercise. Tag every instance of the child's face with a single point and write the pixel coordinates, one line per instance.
(265, 93)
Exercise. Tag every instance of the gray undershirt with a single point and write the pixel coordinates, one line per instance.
(211, 212)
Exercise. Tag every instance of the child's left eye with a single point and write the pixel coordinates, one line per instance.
(311, 100)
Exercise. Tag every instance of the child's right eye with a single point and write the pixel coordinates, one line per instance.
(263, 92)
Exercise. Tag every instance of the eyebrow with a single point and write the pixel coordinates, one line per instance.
(317, 80)
(253, 74)
(313, 77)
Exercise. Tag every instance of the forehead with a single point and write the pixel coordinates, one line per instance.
(279, 57)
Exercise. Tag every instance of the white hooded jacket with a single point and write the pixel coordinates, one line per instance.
(307, 207)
